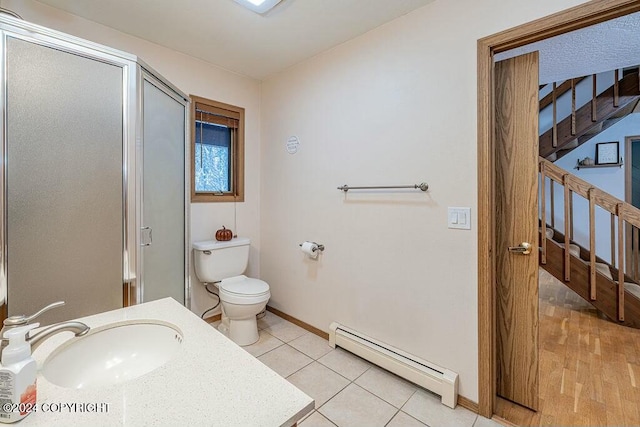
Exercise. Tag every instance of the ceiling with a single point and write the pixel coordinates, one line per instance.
(226, 34)
(603, 47)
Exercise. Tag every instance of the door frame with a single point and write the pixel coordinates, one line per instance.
(628, 148)
(628, 140)
(581, 16)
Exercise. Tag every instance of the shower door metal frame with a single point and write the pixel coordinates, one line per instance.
(146, 73)
(18, 29)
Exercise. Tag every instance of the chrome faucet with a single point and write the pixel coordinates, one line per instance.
(78, 328)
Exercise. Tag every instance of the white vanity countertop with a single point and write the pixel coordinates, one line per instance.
(211, 382)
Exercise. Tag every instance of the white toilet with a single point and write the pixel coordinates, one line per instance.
(241, 297)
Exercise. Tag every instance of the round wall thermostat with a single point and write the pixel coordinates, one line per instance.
(292, 144)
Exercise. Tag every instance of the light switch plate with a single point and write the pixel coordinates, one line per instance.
(459, 218)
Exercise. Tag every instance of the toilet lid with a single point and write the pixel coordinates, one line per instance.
(243, 285)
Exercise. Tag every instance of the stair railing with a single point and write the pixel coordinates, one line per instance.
(623, 216)
(570, 129)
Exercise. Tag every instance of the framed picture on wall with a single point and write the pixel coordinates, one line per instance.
(607, 153)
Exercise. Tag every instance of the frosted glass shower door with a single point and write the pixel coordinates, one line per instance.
(64, 180)
(163, 195)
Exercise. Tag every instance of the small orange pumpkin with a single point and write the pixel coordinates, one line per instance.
(224, 234)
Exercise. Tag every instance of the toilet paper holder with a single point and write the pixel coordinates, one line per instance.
(318, 247)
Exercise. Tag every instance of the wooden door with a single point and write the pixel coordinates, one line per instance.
(516, 195)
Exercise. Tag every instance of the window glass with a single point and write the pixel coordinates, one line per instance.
(213, 157)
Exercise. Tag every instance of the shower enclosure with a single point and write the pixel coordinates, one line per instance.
(93, 179)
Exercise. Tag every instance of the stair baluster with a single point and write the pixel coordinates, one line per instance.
(594, 100)
(567, 231)
(616, 89)
(613, 241)
(634, 253)
(620, 262)
(554, 140)
(573, 107)
(571, 236)
(543, 203)
(552, 198)
(592, 245)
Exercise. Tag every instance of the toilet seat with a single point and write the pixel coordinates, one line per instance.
(243, 290)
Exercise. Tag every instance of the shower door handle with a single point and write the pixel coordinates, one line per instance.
(146, 237)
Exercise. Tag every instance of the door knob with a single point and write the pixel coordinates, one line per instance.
(524, 248)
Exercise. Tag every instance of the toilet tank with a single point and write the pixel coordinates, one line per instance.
(214, 261)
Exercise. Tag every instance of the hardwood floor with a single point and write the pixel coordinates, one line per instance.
(589, 366)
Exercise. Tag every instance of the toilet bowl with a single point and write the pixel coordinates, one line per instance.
(241, 297)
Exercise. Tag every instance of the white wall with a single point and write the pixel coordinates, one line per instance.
(195, 77)
(610, 179)
(394, 106)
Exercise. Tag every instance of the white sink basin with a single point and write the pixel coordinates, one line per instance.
(113, 354)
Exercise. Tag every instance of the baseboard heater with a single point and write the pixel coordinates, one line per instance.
(425, 374)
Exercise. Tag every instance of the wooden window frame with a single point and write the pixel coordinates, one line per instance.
(237, 157)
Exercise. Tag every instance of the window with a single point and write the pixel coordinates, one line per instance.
(217, 151)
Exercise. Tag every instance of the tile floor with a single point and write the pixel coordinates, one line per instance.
(348, 390)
